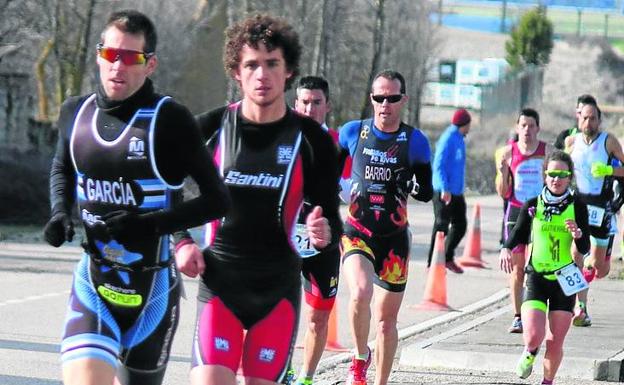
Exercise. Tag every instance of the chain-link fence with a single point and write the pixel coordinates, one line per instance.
(501, 101)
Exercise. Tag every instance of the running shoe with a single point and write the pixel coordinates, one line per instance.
(452, 266)
(290, 376)
(525, 364)
(516, 326)
(582, 319)
(357, 371)
(304, 381)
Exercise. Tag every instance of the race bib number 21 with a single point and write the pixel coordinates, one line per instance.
(302, 242)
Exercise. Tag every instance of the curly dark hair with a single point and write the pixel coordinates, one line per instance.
(273, 32)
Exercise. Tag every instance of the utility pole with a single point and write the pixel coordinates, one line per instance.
(439, 12)
(503, 16)
(578, 21)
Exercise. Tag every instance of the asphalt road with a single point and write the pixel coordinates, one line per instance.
(35, 282)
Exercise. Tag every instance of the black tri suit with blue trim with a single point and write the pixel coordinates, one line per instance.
(130, 155)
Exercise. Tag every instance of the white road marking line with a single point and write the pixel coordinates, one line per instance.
(33, 298)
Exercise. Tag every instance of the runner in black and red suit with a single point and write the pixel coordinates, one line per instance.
(270, 158)
(320, 270)
(121, 153)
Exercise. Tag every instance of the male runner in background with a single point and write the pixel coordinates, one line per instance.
(521, 178)
(593, 151)
(580, 102)
(320, 270)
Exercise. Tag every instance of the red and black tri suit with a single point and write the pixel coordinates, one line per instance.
(252, 275)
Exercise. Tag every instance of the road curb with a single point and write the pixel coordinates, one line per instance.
(332, 361)
(422, 354)
(610, 369)
(573, 367)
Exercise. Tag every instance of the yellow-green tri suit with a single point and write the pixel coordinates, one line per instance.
(552, 241)
(544, 224)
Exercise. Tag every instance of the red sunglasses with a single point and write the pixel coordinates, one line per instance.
(127, 56)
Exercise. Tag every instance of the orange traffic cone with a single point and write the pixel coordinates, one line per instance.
(435, 289)
(472, 249)
(332, 343)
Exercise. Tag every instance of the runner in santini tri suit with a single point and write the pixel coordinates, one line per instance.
(271, 159)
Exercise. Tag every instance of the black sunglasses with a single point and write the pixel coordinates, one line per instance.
(390, 98)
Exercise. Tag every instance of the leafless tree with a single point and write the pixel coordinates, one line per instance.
(347, 42)
(414, 42)
(378, 47)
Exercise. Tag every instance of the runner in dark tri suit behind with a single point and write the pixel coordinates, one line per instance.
(121, 152)
(320, 270)
(271, 158)
(387, 154)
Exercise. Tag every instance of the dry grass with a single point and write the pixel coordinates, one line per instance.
(577, 66)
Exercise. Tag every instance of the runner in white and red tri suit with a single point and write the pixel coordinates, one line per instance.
(521, 179)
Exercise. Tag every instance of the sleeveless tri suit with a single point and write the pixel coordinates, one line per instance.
(252, 277)
(124, 304)
(382, 171)
(542, 224)
(597, 193)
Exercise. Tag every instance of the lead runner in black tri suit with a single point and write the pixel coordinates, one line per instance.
(271, 158)
(121, 153)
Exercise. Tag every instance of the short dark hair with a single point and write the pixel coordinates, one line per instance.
(562, 156)
(586, 99)
(597, 109)
(314, 83)
(392, 75)
(529, 112)
(135, 23)
(273, 32)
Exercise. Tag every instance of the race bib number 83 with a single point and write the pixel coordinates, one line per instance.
(571, 279)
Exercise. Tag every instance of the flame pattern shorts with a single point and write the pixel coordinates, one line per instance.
(388, 254)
